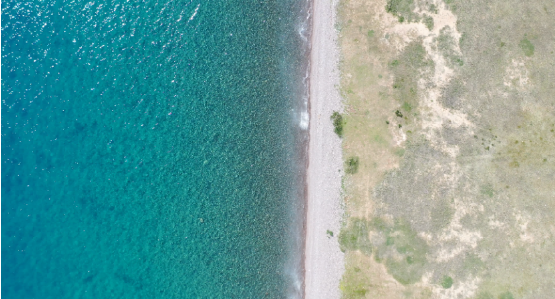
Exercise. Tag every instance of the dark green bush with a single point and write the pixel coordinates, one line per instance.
(351, 166)
(338, 123)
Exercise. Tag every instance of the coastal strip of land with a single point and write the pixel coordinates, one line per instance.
(448, 128)
(324, 264)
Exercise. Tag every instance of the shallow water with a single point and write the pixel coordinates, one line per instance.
(152, 149)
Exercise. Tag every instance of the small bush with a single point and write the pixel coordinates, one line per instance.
(429, 22)
(351, 166)
(338, 123)
(447, 282)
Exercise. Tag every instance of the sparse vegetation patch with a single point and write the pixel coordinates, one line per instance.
(461, 186)
(506, 295)
(354, 284)
(400, 249)
(356, 236)
(403, 9)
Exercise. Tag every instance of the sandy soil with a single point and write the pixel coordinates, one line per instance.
(323, 259)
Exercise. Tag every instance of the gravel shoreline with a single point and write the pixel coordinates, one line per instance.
(324, 261)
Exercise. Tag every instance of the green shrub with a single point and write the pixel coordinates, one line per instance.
(429, 22)
(400, 8)
(446, 282)
(338, 123)
(351, 166)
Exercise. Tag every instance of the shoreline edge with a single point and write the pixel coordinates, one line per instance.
(322, 258)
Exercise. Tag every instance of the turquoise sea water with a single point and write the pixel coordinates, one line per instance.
(152, 149)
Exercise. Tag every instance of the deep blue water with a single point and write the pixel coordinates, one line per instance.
(152, 149)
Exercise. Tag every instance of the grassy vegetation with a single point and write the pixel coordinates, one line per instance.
(402, 251)
(527, 47)
(497, 81)
(487, 190)
(354, 283)
(356, 236)
(506, 295)
(473, 264)
(405, 85)
(441, 214)
(403, 9)
(351, 166)
(484, 295)
(447, 46)
(338, 123)
(407, 107)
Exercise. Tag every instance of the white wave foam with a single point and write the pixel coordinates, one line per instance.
(304, 121)
(194, 14)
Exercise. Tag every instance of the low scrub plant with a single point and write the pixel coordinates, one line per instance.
(351, 166)
(338, 122)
